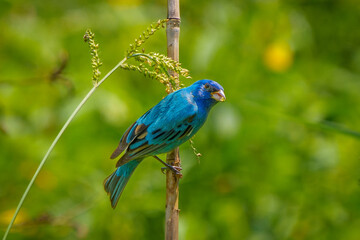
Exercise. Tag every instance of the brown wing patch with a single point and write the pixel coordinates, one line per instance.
(122, 144)
(191, 118)
(143, 135)
(139, 152)
(140, 128)
(138, 133)
(127, 156)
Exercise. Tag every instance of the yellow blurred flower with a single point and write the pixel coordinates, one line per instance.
(6, 216)
(46, 180)
(278, 57)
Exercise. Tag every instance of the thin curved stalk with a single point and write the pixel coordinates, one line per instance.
(55, 142)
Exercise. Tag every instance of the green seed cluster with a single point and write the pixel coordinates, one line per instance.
(95, 59)
(159, 65)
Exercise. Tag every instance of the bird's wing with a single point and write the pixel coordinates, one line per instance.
(161, 127)
(135, 130)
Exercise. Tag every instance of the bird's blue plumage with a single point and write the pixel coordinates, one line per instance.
(173, 121)
(116, 182)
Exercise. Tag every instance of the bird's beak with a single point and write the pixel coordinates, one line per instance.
(218, 96)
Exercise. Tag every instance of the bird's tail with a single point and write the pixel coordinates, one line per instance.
(116, 182)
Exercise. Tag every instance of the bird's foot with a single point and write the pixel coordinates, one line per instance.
(175, 169)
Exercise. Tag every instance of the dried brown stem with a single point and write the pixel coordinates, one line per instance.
(173, 158)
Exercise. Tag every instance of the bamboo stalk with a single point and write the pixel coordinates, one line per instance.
(173, 158)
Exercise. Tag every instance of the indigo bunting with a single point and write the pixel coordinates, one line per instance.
(173, 121)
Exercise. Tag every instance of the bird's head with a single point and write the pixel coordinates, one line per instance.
(208, 92)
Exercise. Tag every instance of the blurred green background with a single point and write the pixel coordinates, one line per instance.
(280, 157)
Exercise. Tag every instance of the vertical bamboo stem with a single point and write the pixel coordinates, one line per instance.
(173, 158)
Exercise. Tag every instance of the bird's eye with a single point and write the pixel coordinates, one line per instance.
(207, 86)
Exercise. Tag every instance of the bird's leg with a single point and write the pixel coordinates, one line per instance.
(175, 169)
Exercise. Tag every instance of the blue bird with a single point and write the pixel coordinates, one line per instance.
(173, 121)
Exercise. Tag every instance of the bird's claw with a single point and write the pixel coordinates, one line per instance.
(175, 169)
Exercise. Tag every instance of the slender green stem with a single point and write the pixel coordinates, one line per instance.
(55, 142)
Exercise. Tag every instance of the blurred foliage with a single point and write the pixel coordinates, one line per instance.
(280, 158)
